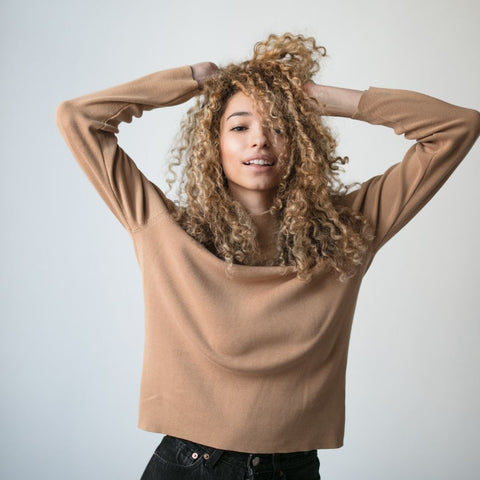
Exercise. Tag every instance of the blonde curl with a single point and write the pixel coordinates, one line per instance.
(314, 227)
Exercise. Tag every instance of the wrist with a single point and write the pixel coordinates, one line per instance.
(335, 101)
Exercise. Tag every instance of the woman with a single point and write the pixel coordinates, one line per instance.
(251, 278)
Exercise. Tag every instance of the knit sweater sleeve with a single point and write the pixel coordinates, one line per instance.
(444, 134)
(89, 125)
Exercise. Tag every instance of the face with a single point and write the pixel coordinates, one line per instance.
(250, 154)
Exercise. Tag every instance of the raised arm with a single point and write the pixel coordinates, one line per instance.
(444, 134)
(334, 101)
(89, 125)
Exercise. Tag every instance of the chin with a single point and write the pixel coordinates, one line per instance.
(261, 185)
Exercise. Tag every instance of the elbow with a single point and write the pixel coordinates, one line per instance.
(68, 115)
(472, 124)
(465, 129)
(64, 114)
(476, 122)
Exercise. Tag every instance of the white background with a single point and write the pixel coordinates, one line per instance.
(71, 301)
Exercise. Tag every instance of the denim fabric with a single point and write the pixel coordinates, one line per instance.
(179, 459)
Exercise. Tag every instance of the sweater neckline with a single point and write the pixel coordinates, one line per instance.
(211, 261)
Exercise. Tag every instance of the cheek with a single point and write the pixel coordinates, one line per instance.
(229, 149)
(225, 156)
(281, 150)
(222, 144)
(280, 144)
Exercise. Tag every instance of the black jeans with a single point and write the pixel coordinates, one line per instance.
(179, 459)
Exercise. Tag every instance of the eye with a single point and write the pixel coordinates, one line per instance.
(238, 128)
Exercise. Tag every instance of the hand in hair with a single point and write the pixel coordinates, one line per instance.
(203, 71)
(274, 78)
(335, 101)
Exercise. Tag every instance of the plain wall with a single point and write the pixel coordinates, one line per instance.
(71, 301)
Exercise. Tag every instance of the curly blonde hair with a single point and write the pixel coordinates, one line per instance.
(313, 226)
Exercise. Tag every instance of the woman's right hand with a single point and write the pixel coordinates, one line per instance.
(335, 101)
(203, 71)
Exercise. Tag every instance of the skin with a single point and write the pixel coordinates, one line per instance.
(202, 71)
(243, 138)
(253, 187)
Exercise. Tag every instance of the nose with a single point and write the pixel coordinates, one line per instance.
(259, 138)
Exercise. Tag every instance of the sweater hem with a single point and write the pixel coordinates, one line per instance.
(245, 447)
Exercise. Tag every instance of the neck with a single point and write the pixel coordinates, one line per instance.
(267, 226)
(256, 202)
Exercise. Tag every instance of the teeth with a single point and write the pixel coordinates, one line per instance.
(258, 162)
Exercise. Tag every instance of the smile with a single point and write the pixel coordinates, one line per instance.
(259, 161)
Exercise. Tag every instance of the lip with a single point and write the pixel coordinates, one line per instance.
(267, 158)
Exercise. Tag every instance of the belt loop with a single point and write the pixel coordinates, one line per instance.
(275, 463)
(213, 457)
(250, 472)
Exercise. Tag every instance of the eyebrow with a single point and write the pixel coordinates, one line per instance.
(239, 114)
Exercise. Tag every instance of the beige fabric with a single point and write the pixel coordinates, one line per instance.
(254, 362)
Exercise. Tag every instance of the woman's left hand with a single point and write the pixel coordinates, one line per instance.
(203, 71)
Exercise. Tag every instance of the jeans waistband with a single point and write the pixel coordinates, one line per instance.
(263, 461)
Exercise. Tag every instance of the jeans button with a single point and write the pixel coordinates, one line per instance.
(255, 461)
(195, 455)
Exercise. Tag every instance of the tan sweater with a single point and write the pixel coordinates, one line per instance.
(255, 362)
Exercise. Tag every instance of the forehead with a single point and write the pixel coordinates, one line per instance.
(239, 102)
